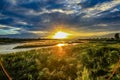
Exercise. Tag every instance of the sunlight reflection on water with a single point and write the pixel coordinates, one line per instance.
(60, 49)
(61, 44)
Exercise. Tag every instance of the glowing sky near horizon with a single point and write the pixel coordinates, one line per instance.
(38, 18)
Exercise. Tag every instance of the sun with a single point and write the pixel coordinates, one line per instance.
(61, 35)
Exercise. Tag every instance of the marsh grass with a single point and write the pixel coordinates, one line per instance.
(41, 43)
(89, 61)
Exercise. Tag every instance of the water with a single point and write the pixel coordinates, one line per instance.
(8, 48)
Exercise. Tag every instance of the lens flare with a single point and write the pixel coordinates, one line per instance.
(61, 35)
(59, 45)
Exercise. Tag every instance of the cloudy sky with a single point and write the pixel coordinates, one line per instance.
(39, 18)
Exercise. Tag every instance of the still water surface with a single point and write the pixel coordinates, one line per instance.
(8, 48)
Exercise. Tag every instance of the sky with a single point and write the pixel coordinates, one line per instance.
(40, 18)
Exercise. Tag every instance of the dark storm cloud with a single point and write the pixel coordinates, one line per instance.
(40, 15)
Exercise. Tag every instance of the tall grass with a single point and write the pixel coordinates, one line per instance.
(89, 61)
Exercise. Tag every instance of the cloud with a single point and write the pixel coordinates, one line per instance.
(39, 32)
(22, 23)
(73, 5)
(102, 25)
(9, 27)
(5, 30)
(97, 10)
(15, 2)
(74, 1)
(115, 10)
(45, 11)
(39, 16)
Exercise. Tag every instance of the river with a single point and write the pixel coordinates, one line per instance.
(8, 48)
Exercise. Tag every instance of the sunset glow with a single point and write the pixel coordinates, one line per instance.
(61, 35)
(59, 45)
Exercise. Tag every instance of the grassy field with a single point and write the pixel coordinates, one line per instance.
(86, 61)
(40, 43)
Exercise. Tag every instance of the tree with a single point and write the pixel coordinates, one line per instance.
(117, 36)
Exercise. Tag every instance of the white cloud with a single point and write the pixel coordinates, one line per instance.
(102, 25)
(6, 32)
(115, 10)
(96, 10)
(44, 11)
(73, 5)
(38, 32)
(46, 20)
(9, 30)
(5, 26)
(9, 27)
(22, 23)
(74, 1)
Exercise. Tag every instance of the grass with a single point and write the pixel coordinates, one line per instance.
(87, 61)
(2, 75)
(42, 43)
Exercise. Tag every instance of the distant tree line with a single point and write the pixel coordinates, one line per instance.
(117, 37)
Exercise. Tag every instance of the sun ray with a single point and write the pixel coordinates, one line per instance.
(61, 35)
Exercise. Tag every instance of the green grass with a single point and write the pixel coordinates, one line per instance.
(2, 75)
(41, 43)
(87, 61)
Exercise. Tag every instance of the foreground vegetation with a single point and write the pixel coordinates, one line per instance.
(86, 61)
